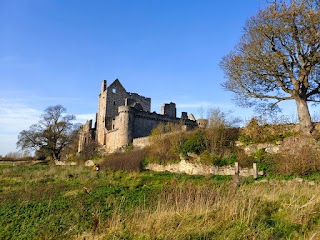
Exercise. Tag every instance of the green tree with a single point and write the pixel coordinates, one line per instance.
(278, 59)
(51, 135)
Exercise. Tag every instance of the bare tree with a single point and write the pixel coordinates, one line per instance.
(278, 59)
(51, 134)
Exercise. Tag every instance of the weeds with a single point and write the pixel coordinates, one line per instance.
(43, 203)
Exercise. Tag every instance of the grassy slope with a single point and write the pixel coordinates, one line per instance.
(48, 202)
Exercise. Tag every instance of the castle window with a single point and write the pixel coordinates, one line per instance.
(114, 103)
(114, 90)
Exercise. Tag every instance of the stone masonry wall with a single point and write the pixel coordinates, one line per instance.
(143, 101)
(141, 142)
(145, 122)
(112, 139)
(199, 169)
(86, 135)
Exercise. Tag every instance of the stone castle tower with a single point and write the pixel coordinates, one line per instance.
(124, 117)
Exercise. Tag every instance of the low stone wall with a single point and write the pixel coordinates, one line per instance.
(199, 169)
(268, 147)
(62, 163)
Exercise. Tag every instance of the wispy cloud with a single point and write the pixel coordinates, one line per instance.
(17, 115)
(14, 117)
(8, 143)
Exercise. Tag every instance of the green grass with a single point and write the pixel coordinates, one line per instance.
(49, 202)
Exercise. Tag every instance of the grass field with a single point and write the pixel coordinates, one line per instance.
(50, 202)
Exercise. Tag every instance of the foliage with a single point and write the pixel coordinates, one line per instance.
(218, 160)
(246, 140)
(195, 143)
(51, 135)
(303, 160)
(263, 159)
(278, 59)
(165, 143)
(255, 132)
(128, 161)
(221, 132)
(225, 161)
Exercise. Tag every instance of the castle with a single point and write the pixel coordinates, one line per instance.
(125, 118)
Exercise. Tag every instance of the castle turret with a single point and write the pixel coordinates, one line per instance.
(184, 115)
(101, 115)
(202, 123)
(126, 116)
(169, 109)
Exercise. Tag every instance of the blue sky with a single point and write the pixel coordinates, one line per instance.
(58, 52)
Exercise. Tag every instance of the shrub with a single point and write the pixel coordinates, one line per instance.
(128, 161)
(263, 159)
(195, 143)
(246, 140)
(166, 141)
(302, 161)
(260, 132)
(228, 160)
(221, 133)
(207, 158)
(164, 149)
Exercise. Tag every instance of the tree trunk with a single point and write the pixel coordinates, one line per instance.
(306, 126)
(56, 156)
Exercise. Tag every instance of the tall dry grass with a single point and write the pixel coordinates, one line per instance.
(287, 210)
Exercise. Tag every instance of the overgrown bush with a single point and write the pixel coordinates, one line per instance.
(163, 151)
(246, 140)
(166, 141)
(260, 132)
(263, 159)
(194, 143)
(222, 132)
(128, 161)
(302, 161)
